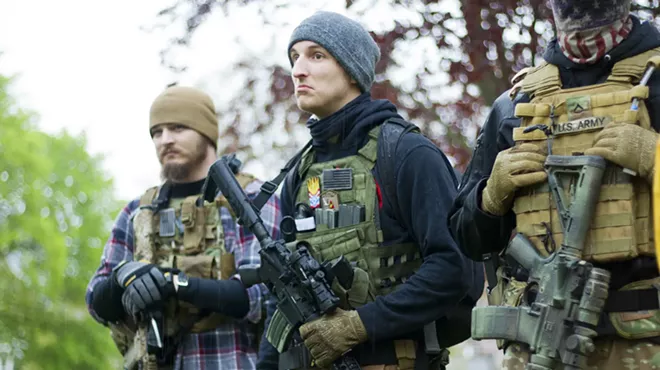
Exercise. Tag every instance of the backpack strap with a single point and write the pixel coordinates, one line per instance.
(390, 135)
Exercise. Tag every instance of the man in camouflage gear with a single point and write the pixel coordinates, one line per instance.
(167, 284)
(583, 90)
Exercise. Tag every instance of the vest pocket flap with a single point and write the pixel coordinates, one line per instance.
(532, 202)
(520, 135)
(534, 223)
(331, 244)
(199, 266)
(532, 110)
(616, 192)
(619, 97)
(211, 231)
(637, 324)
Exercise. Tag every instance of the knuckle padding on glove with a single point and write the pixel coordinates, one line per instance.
(152, 289)
(523, 167)
(142, 290)
(158, 277)
(132, 301)
(130, 270)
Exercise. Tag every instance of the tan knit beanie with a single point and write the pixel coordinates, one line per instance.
(188, 107)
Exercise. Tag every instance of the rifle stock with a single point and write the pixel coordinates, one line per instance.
(565, 295)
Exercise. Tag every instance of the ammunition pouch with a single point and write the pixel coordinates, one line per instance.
(508, 293)
(634, 310)
(359, 293)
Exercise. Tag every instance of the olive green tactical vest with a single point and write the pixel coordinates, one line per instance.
(328, 187)
(194, 243)
(622, 226)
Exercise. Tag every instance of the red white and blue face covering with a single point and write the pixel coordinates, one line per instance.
(588, 29)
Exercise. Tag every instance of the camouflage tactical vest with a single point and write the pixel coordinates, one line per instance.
(621, 228)
(187, 237)
(342, 194)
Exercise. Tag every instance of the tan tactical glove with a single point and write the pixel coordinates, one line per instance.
(514, 168)
(627, 145)
(332, 335)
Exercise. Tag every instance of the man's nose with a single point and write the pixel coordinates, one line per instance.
(167, 136)
(299, 68)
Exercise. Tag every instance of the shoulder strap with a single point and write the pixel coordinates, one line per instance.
(390, 135)
(268, 188)
(631, 69)
(370, 150)
(517, 82)
(542, 79)
(149, 196)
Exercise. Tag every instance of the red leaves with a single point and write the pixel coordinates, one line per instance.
(481, 48)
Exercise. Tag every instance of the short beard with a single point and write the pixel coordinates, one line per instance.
(178, 172)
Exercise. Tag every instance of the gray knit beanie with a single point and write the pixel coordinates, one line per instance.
(346, 40)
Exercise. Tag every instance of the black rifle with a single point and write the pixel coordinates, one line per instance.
(300, 283)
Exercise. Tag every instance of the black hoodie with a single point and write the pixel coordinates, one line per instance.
(425, 187)
(477, 232)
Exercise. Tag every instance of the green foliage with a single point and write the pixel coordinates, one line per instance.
(55, 212)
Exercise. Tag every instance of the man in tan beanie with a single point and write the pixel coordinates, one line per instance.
(167, 285)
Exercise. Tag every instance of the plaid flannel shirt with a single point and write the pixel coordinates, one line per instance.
(231, 346)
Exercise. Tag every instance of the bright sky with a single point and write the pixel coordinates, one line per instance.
(90, 68)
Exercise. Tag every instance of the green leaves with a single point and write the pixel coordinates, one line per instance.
(56, 210)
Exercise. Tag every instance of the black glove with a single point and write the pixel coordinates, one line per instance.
(146, 287)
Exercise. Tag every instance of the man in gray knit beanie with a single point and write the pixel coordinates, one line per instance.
(347, 41)
(368, 187)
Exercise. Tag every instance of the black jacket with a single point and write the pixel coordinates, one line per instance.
(477, 232)
(425, 187)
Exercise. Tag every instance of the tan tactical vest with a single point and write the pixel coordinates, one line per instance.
(380, 269)
(621, 228)
(197, 248)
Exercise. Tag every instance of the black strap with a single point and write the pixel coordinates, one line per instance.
(163, 197)
(270, 187)
(491, 264)
(390, 135)
(632, 300)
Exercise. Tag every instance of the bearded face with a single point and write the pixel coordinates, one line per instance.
(180, 149)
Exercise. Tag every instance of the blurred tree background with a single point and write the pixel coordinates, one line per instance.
(443, 64)
(56, 206)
